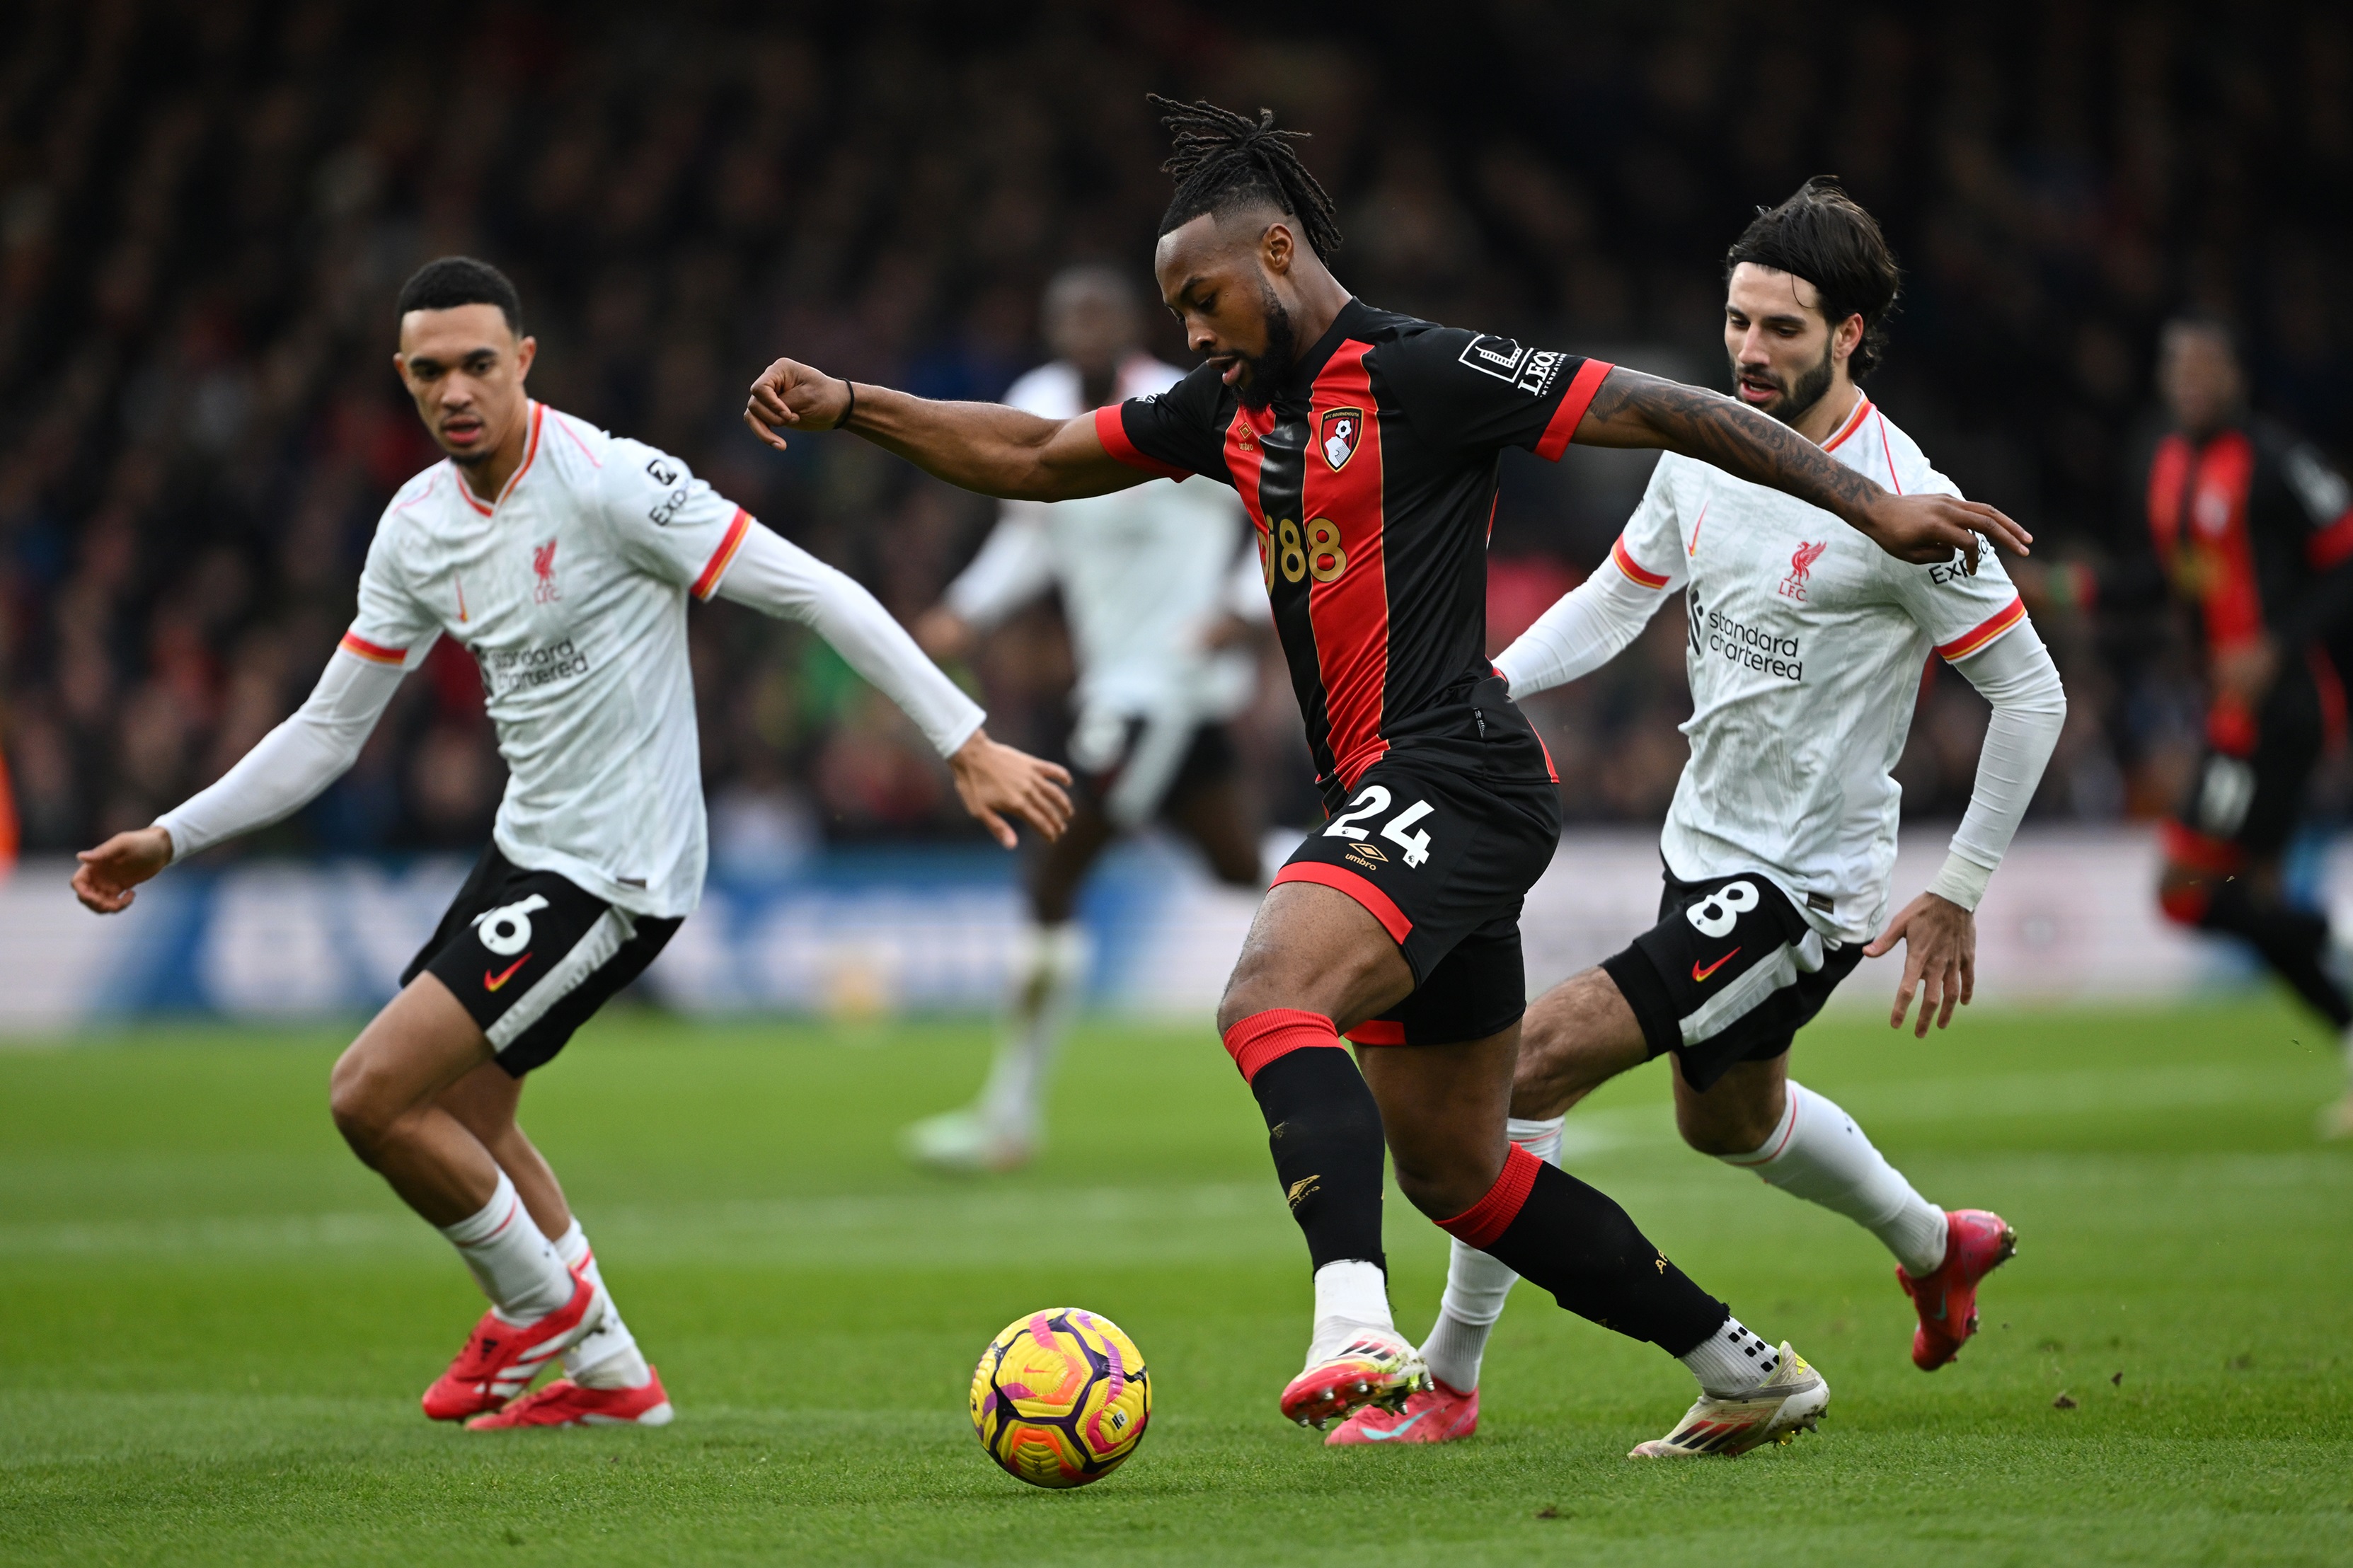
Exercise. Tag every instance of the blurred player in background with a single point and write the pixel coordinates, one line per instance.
(1805, 654)
(1367, 446)
(2253, 527)
(1162, 602)
(562, 558)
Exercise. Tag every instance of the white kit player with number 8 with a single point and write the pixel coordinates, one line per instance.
(1805, 649)
(562, 558)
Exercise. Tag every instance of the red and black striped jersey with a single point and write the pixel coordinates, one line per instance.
(2252, 525)
(1370, 474)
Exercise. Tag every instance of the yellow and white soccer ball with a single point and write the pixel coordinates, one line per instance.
(1062, 1398)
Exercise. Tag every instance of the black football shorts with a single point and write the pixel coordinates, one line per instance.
(1140, 769)
(1729, 974)
(1443, 860)
(2245, 799)
(531, 956)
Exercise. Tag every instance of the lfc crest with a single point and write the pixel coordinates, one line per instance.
(1341, 430)
(1801, 566)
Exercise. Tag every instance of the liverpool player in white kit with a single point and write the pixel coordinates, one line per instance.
(562, 558)
(1805, 654)
(1161, 596)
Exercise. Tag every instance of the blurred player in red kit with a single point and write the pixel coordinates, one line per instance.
(2252, 528)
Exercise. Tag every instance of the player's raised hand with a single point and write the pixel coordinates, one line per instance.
(107, 874)
(1940, 959)
(1927, 529)
(790, 393)
(995, 781)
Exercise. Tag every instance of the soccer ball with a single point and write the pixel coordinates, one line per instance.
(1061, 1398)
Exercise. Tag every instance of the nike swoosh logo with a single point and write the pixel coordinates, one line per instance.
(1699, 973)
(492, 983)
(1374, 1434)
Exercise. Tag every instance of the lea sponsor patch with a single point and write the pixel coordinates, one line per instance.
(1533, 370)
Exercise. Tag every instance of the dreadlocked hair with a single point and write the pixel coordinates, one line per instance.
(1224, 161)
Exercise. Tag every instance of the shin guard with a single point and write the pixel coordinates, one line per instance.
(1576, 1243)
(1323, 1127)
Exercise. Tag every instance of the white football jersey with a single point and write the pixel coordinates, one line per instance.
(1806, 644)
(1143, 572)
(571, 595)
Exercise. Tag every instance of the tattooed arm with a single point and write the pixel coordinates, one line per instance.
(1632, 409)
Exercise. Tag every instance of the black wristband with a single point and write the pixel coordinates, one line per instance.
(851, 408)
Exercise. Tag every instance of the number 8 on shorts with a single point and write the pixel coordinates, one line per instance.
(1716, 914)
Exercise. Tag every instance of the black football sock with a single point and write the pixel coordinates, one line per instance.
(2292, 941)
(1323, 1129)
(1576, 1243)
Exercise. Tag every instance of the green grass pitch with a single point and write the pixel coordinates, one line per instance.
(213, 1324)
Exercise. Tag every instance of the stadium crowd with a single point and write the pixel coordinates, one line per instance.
(205, 210)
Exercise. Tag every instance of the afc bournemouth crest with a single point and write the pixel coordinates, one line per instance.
(1341, 430)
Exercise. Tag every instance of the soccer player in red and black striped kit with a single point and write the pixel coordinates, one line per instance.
(2253, 527)
(1365, 445)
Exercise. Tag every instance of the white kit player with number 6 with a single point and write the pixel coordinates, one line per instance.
(1805, 652)
(562, 558)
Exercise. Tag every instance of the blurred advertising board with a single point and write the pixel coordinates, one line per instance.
(870, 933)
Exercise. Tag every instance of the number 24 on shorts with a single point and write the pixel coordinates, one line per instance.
(1373, 801)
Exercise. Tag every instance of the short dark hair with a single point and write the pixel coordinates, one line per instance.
(1224, 162)
(1824, 237)
(454, 280)
(2210, 322)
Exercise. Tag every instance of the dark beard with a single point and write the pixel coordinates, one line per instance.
(1282, 350)
(1809, 390)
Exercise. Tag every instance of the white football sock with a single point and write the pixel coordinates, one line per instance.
(1476, 1285)
(1349, 1296)
(1818, 1154)
(1731, 1361)
(513, 1262)
(1047, 979)
(608, 1357)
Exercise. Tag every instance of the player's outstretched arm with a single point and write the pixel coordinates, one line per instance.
(995, 781)
(283, 772)
(983, 446)
(1584, 628)
(1016, 565)
(1939, 929)
(1631, 409)
(777, 577)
